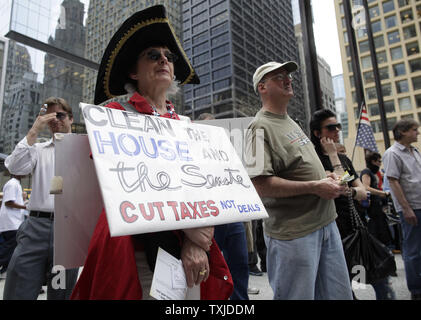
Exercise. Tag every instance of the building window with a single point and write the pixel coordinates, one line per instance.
(364, 47)
(378, 42)
(405, 104)
(384, 73)
(389, 106)
(409, 32)
(407, 16)
(366, 62)
(403, 3)
(374, 11)
(412, 48)
(381, 57)
(396, 53)
(402, 86)
(416, 83)
(387, 89)
(390, 22)
(371, 93)
(415, 65)
(393, 37)
(373, 109)
(399, 69)
(368, 77)
(376, 26)
(388, 6)
(224, 95)
(418, 100)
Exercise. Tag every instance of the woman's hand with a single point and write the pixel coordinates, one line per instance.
(195, 263)
(328, 145)
(200, 236)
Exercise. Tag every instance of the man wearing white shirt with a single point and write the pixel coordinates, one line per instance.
(32, 261)
(11, 217)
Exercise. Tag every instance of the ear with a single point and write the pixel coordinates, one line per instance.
(317, 133)
(261, 86)
(133, 76)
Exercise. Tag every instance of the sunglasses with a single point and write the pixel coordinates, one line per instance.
(280, 76)
(333, 126)
(61, 115)
(155, 55)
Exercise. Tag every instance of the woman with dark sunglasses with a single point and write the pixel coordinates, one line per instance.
(324, 135)
(144, 58)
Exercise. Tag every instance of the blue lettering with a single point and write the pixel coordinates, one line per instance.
(170, 153)
(181, 151)
(123, 146)
(100, 143)
(146, 151)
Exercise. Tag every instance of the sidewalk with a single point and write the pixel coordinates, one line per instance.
(367, 293)
(266, 293)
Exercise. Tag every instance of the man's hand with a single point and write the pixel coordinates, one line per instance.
(200, 236)
(195, 263)
(329, 188)
(40, 123)
(409, 216)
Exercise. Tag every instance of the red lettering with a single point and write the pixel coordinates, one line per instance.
(123, 211)
(203, 208)
(144, 214)
(173, 205)
(159, 206)
(215, 209)
(184, 211)
(195, 213)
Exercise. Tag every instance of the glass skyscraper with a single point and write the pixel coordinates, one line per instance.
(226, 41)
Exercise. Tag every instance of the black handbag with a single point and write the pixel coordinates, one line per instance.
(362, 249)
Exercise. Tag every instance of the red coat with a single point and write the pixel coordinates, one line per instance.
(110, 270)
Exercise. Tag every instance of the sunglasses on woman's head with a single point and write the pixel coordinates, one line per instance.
(155, 55)
(333, 126)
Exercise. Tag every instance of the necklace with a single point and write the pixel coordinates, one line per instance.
(169, 109)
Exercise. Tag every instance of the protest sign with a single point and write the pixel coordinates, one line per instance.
(159, 174)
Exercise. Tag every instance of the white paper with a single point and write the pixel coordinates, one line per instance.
(169, 279)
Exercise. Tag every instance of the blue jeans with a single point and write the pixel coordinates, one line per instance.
(308, 268)
(231, 239)
(411, 253)
(384, 290)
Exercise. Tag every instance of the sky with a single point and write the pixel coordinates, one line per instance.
(326, 34)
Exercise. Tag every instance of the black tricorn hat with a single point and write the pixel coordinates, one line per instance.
(146, 28)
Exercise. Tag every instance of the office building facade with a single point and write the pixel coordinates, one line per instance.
(55, 47)
(226, 41)
(396, 26)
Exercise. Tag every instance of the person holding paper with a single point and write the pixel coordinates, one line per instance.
(324, 135)
(144, 58)
(32, 261)
(305, 258)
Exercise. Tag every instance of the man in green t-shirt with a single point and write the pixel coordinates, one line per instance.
(305, 258)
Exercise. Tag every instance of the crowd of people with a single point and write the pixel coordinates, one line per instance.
(299, 244)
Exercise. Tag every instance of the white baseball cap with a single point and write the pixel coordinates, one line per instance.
(289, 66)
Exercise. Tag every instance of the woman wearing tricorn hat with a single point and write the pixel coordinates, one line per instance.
(145, 57)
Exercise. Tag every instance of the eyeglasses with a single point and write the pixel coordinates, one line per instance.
(61, 115)
(280, 76)
(333, 126)
(155, 55)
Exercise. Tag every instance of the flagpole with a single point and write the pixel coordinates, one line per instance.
(356, 136)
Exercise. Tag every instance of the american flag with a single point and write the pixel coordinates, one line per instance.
(365, 136)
